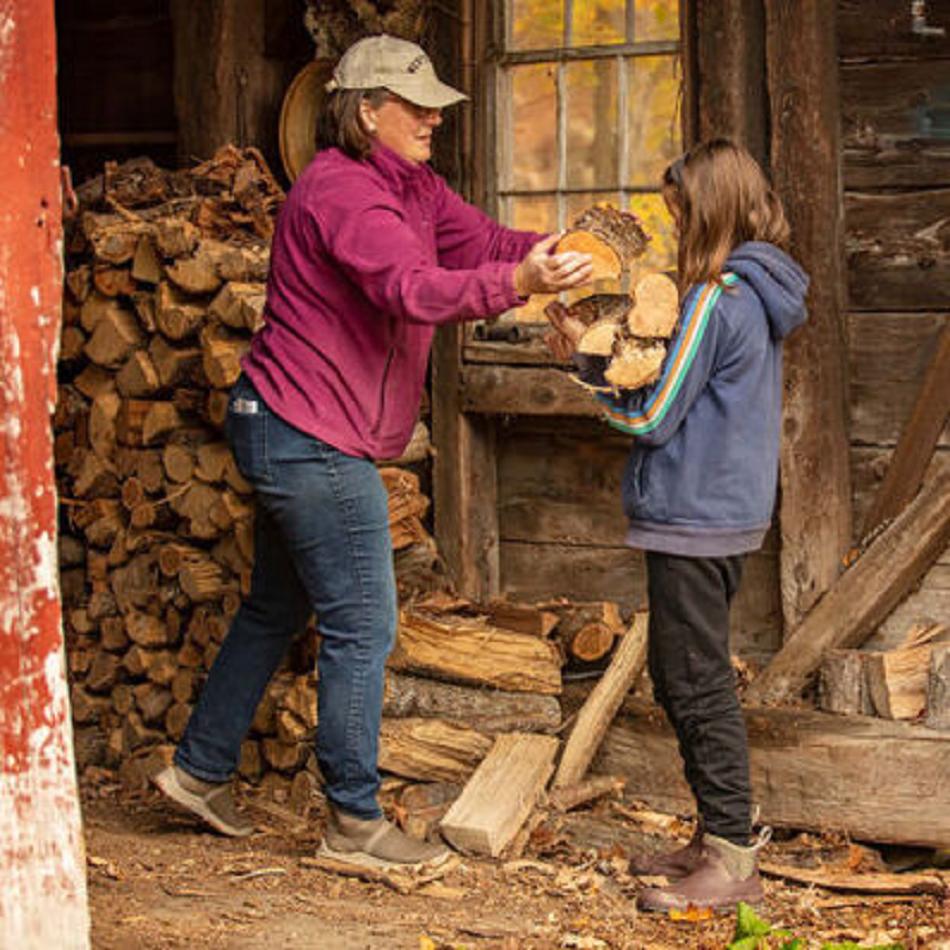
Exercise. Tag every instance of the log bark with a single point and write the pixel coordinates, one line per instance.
(489, 710)
(842, 684)
(938, 688)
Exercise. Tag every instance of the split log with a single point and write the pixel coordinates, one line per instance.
(501, 794)
(605, 699)
(581, 793)
(196, 275)
(865, 594)
(138, 376)
(115, 335)
(612, 237)
(473, 652)
(113, 238)
(488, 710)
(212, 459)
(146, 264)
(175, 236)
(178, 461)
(938, 688)
(842, 684)
(656, 309)
(240, 305)
(175, 315)
(430, 750)
(173, 364)
(102, 423)
(113, 281)
(72, 342)
(635, 364)
(145, 629)
(897, 681)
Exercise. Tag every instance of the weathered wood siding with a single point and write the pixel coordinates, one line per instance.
(895, 112)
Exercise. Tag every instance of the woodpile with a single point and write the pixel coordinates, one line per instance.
(907, 682)
(165, 286)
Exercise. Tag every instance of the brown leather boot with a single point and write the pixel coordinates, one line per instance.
(672, 865)
(725, 874)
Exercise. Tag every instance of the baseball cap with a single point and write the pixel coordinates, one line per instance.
(386, 62)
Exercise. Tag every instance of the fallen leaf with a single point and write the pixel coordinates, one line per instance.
(692, 914)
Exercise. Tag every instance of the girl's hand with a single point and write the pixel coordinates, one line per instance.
(566, 331)
(542, 272)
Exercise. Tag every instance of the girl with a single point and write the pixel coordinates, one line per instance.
(699, 490)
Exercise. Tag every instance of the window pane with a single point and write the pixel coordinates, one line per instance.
(651, 209)
(537, 24)
(534, 127)
(598, 22)
(592, 158)
(656, 20)
(653, 117)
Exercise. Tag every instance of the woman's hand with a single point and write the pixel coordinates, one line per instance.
(566, 331)
(542, 272)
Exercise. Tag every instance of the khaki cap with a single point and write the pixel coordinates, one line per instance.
(385, 62)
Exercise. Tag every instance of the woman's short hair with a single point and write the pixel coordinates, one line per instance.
(720, 198)
(340, 125)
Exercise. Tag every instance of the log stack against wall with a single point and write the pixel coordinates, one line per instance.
(165, 287)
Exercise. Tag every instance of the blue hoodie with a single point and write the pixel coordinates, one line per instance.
(701, 478)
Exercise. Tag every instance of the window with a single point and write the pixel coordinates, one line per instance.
(586, 110)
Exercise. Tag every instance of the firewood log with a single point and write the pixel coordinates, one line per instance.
(599, 338)
(144, 305)
(176, 719)
(79, 282)
(240, 305)
(656, 307)
(72, 343)
(113, 281)
(93, 381)
(113, 239)
(197, 274)
(146, 630)
(612, 237)
(138, 376)
(221, 354)
(146, 264)
(115, 335)
(152, 702)
(635, 364)
(173, 364)
(897, 681)
(212, 461)
(430, 750)
(175, 314)
(102, 423)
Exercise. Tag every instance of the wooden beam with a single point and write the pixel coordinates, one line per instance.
(729, 61)
(865, 594)
(602, 704)
(43, 900)
(501, 794)
(815, 511)
(918, 440)
(871, 779)
(465, 489)
(524, 391)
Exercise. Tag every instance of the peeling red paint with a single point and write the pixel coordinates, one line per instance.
(42, 867)
(30, 282)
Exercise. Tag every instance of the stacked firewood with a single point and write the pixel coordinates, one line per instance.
(164, 289)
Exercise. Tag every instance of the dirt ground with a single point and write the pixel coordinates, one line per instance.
(156, 879)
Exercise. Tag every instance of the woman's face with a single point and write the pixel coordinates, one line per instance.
(403, 127)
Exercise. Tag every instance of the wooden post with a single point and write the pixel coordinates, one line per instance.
(815, 470)
(726, 43)
(42, 864)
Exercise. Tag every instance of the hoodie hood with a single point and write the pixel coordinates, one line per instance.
(778, 281)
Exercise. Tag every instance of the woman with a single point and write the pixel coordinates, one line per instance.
(371, 253)
(699, 491)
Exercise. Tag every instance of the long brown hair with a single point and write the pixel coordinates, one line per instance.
(340, 124)
(720, 198)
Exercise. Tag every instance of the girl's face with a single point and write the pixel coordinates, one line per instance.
(402, 126)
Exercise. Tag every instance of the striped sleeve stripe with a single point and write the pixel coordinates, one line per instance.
(651, 414)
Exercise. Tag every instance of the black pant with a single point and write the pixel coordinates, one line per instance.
(694, 682)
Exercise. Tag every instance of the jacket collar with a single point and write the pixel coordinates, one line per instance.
(400, 171)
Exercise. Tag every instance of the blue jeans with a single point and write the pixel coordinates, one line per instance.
(322, 544)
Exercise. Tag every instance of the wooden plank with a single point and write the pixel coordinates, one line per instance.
(897, 250)
(501, 794)
(731, 96)
(911, 458)
(889, 123)
(865, 594)
(595, 716)
(815, 513)
(517, 391)
(464, 478)
(871, 779)
(888, 358)
(881, 29)
(43, 898)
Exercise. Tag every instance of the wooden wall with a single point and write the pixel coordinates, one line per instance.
(895, 105)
